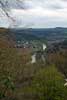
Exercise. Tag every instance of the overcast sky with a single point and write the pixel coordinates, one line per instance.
(37, 14)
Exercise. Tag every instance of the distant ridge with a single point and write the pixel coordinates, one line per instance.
(8, 37)
(44, 33)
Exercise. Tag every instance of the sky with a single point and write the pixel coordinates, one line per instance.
(36, 14)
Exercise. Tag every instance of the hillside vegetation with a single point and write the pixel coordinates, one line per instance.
(21, 80)
(6, 38)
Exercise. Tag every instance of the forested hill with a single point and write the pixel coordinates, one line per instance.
(49, 31)
(52, 35)
(43, 32)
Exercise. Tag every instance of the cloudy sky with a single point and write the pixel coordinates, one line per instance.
(36, 14)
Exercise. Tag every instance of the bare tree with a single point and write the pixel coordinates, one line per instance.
(4, 6)
(6, 9)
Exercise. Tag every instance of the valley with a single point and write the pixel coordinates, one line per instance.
(33, 66)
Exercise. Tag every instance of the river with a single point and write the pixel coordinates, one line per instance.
(33, 57)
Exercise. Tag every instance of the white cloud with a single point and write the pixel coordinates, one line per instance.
(41, 13)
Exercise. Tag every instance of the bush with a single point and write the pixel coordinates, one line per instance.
(48, 84)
